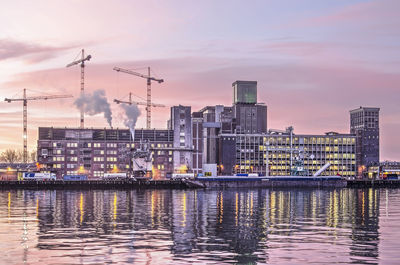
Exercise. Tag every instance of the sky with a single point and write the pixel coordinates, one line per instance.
(314, 60)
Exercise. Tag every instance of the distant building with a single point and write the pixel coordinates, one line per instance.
(386, 169)
(181, 125)
(364, 123)
(13, 171)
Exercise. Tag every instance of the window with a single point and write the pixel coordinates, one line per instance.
(57, 152)
(98, 173)
(72, 144)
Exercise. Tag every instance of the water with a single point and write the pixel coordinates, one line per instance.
(255, 226)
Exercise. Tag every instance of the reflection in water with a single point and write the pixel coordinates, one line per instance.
(81, 208)
(184, 209)
(186, 226)
(9, 204)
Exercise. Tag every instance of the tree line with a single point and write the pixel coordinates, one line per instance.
(17, 156)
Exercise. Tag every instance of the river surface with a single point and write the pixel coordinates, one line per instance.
(247, 226)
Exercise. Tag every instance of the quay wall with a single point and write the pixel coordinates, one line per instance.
(367, 183)
(94, 184)
(182, 184)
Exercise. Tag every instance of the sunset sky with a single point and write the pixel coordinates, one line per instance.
(314, 60)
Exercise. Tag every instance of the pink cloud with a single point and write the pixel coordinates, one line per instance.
(30, 52)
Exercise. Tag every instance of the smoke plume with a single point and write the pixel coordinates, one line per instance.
(95, 103)
(132, 113)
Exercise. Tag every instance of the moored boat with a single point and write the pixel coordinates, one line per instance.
(255, 181)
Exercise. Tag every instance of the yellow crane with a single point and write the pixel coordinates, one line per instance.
(149, 79)
(82, 62)
(130, 102)
(24, 100)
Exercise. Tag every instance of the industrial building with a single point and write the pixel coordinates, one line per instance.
(237, 141)
(250, 153)
(181, 126)
(364, 123)
(69, 151)
(248, 115)
(96, 151)
(233, 138)
(245, 116)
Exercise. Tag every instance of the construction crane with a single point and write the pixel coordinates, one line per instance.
(130, 102)
(149, 79)
(24, 100)
(82, 62)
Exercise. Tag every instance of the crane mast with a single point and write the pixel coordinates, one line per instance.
(82, 62)
(149, 79)
(148, 106)
(24, 100)
(25, 127)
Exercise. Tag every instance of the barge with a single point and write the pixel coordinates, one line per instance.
(267, 182)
